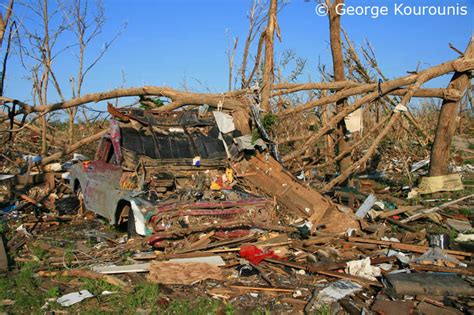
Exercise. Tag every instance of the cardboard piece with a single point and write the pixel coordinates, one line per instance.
(429, 185)
(182, 273)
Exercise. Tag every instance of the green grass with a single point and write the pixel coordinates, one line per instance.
(202, 306)
(145, 295)
(23, 288)
(466, 212)
(261, 312)
(40, 253)
(3, 227)
(96, 287)
(324, 310)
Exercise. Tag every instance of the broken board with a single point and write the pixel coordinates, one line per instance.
(268, 175)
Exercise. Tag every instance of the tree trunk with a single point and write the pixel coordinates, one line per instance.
(338, 69)
(4, 21)
(268, 67)
(447, 121)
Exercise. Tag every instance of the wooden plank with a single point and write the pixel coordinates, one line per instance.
(461, 271)
(400, 210)
(408, 247)
(268, 175)
(423, 213)
(244, 239)
(241, 287)
(364, 282)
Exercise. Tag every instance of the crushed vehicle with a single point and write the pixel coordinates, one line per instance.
(167, 175)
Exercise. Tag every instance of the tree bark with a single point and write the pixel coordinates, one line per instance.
(268, 66)
(447, 121)
(338, 70)
(73, 147)
(179, 98)
(4, 21)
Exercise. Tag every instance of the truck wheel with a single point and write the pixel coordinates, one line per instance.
(131, 230)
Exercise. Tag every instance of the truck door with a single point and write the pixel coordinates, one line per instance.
(103, 186)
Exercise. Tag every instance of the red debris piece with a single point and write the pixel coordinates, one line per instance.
(254, 254)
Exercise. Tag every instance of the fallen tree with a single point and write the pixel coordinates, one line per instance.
(241, 99)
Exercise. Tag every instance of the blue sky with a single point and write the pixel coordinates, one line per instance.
(167, 41)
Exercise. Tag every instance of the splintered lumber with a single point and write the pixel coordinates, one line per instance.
(243, 239)
(83, 274)
(434, 268)
(268, 175)
(154, 256)
(434, 209)
(319, 240)
(362, 281)
(341, 265)
(241, 287)
(400, 210)
(408, 247)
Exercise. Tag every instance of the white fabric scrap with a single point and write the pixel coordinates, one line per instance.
(224, 121)
(400, 108)
(363, 268)
(354, 121)
(464, 237)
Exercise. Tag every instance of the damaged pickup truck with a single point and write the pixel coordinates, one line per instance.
(168, 175)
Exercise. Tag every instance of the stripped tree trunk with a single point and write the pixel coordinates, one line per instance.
(268, 66)
(338, 69)
(4, 21)
(447, 120)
